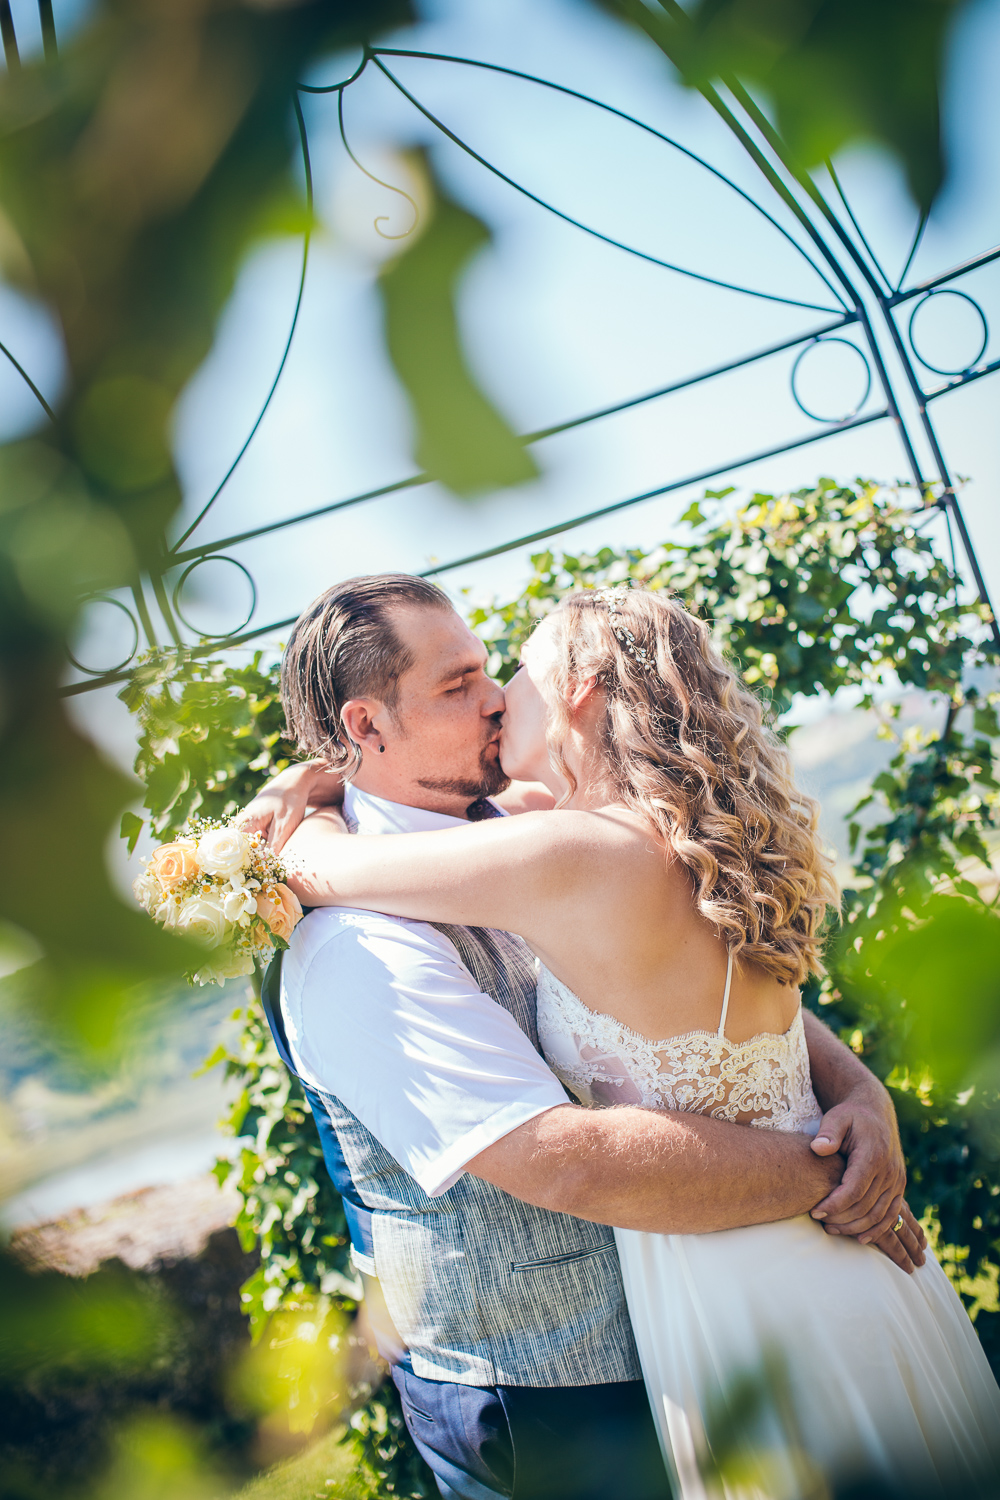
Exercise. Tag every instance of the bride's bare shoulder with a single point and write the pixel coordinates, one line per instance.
(526, 796)
(574, 832)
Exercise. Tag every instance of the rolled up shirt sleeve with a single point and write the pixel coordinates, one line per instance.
(381, 1013)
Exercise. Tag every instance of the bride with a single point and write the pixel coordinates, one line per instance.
(674, 901)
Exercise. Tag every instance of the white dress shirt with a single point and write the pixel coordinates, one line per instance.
(381, 1012)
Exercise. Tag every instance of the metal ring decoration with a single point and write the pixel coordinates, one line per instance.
(118, 665)
(813, 344)
(214, 635)
(950, 292)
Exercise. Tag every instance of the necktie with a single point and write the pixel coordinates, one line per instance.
(481, 809)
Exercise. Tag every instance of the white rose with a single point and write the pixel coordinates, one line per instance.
(147, 891)
(166, 912)
(224, 851)
(202, 918)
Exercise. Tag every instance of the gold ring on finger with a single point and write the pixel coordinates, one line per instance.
(898, 1225)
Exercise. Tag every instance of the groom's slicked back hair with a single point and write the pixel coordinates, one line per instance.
(345, 646)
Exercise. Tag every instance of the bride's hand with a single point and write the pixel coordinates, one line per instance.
(280, 805)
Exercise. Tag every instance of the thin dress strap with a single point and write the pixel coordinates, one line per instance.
(725, 998)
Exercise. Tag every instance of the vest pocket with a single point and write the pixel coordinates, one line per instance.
(560, 1260)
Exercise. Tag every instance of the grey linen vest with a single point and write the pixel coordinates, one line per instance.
(484, 1289)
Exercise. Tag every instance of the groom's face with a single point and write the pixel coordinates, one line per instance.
(442, 739)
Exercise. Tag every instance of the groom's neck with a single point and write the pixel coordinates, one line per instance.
(412, 794)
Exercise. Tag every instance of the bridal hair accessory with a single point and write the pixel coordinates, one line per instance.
(225, 889)
(612, 598)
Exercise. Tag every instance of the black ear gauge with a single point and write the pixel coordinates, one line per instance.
(381, 749)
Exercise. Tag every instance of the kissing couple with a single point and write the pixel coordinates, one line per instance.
(602, 1172)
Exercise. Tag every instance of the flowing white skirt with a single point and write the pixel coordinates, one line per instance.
(785, 1361)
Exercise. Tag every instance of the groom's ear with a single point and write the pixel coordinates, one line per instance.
(361, 718)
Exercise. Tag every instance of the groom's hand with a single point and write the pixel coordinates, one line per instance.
(905, 1247)
(869, 1200)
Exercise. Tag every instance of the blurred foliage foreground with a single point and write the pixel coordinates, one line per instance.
(824, 589)
(139, 164)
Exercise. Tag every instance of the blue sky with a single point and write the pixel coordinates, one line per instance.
(556, 323)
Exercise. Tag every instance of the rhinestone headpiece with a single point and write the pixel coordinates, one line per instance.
(612, 598)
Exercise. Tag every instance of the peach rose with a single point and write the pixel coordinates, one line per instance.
(281, 914)
(172, 864)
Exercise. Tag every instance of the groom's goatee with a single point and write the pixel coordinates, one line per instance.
(489, 783)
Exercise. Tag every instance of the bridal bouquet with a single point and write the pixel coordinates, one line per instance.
(224, 888)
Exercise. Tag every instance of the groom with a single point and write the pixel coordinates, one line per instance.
(478, 1196)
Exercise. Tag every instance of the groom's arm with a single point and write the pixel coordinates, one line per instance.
(666, 1173)
(683, 1173)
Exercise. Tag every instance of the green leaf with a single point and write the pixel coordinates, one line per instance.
(462, 440)
(131, 828)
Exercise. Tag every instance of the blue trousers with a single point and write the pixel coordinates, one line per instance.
(593, 1442)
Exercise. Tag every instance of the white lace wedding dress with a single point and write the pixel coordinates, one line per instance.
(782, 1358)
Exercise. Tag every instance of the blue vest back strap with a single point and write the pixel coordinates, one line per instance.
(358, 1216)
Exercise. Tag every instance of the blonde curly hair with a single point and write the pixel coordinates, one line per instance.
(683, 741)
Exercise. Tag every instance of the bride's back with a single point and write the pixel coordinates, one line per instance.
(630, 942)
(689, 839)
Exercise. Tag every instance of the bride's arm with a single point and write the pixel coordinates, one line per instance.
(498, 873)
(283, 801)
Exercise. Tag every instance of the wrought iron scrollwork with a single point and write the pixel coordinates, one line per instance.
(218, 635)
(819, 343)
(828, 236)
(128, 658)
(984, 341)
(381, 218)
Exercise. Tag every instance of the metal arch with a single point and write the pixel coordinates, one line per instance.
(537, 536)
(949, 292)
(306, 238)
(631, 120)
(771, 139)
(914, 247)
(224, 543)
(831, 242)
(46, 408)
(857, 227)
(588, 229)
(949, 497)
(974, 263)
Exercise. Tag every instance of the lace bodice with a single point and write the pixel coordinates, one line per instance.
(764, 1081)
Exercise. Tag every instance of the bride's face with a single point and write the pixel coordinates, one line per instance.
(524, 754)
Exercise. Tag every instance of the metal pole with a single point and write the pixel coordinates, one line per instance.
(48, 24)
(10, 52)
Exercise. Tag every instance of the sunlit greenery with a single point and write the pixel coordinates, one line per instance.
(827, 589)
